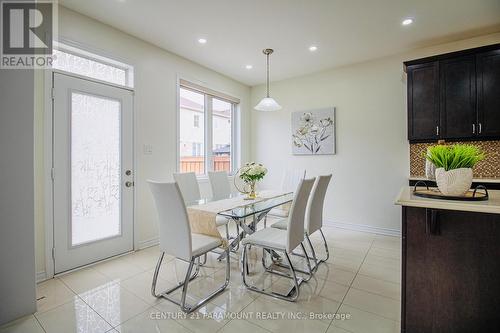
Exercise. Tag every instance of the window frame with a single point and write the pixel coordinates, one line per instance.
(210, 94)
(78, 50)
(196, 121)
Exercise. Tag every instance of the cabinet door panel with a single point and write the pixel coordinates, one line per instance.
(450, 278)
(458, 98)
(423, 101)
(488, 89)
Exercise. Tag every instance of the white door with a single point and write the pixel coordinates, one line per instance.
(93, 171)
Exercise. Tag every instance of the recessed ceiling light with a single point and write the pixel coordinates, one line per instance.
(313, 48)
(202, 41)
(248, 66)
(407, 21)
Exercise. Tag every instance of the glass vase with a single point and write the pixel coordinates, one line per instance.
(251, 193)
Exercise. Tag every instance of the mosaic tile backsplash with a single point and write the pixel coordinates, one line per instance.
(488, 168)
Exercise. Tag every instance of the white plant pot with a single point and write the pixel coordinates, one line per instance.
(454, 182)
(430, 170)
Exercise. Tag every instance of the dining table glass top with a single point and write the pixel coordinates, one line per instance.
(247, 207)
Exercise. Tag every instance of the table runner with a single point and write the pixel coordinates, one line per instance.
(202, 217)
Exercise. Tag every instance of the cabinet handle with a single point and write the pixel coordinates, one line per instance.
(473, 128)
(480, 128)
(432, 225)
(437, 130)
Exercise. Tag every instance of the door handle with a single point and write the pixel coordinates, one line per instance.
(129, 184)
(473, 128)
(480, 128)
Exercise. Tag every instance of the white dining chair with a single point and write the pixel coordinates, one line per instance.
(313, 218)
(221, 188)
(291, 179)
(190, 189)
(289, 182)
(188, 184)
(219, 181)
(177, 240)
(284, 241)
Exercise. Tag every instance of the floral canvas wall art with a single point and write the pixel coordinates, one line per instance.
(313, 132)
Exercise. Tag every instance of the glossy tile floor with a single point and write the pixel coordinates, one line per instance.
(358, 290)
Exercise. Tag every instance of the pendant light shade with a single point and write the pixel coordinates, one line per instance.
(267, 103)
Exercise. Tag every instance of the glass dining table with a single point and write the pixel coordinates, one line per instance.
(246, 215)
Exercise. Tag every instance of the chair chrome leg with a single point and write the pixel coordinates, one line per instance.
(309, 272)
(314, 257)
(155, 278)
(264, 252)
(312, 252)
(244, 268)
(204, 262)
(296, 282)
(293, 276)
(326, 245)
(155, 275)
(185, 287)
(189, 277)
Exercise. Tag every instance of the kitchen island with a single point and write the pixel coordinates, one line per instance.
(450, 264)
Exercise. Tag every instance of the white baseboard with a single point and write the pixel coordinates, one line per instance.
(364, 228)
(148, 243)
(41, 276)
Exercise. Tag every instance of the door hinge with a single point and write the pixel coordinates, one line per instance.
(53, 93)
(54, 253)
(52, 173)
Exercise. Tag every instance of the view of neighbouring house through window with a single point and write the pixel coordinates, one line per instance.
(221, 135)
(197, 132)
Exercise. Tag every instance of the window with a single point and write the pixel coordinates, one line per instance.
(192, 138)
(206, 130)
(77, 61)
(221, 135)
(197, 151)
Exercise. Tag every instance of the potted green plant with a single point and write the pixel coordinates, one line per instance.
(454, 166)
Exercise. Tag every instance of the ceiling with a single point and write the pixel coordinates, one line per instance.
(345, 31)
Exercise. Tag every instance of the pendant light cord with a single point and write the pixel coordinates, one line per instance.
(267, 56)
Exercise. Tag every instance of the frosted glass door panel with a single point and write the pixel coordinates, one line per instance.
(93, 171)
(95, 168)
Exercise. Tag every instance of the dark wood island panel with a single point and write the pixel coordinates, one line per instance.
(450, 271)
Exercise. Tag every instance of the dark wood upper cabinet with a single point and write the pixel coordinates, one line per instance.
(423, 101)
(455, 96)
(488, 93)
(458, 98)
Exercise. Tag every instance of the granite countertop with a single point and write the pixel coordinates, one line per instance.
(492, 205)
(476, 180)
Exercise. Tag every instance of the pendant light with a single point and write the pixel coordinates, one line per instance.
(267, 103)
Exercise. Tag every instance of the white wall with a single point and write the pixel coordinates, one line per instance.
(372, 160)
(156, 72)
(17, 252)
